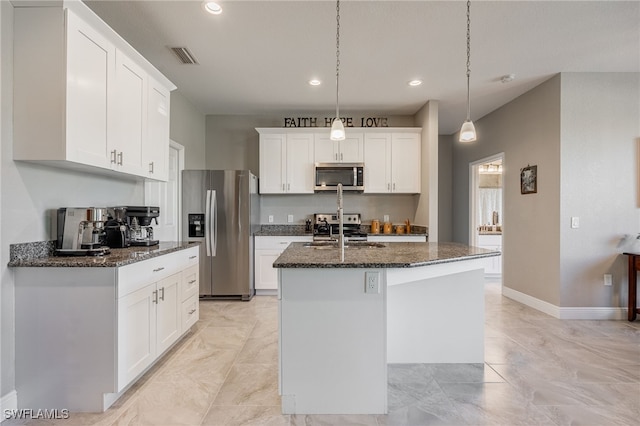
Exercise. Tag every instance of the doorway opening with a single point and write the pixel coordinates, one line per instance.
(486, 221)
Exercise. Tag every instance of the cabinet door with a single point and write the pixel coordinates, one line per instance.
(405, 163)
(324, 149)
(136, 333)
(272, 163)
(377, 165)
(90, 67)
(168, 312)
(352, 148)
(130, 115)
(156, 144)
(300, 167)
(266, 274)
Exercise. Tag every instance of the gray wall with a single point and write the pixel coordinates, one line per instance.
(445, 188)
(599, 174)
(188, 129)
(30, 193)
(233, 143)
(580, 130)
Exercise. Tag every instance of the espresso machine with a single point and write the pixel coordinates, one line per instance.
(139, 220)
(81, 231)
(117, 230)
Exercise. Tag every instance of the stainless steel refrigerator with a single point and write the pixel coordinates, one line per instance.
(220, 209)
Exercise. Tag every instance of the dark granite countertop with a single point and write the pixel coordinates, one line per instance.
(118, 257)
(392, 255)
(299, 230)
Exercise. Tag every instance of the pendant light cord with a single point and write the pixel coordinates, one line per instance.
(468, 58)
(337, 56)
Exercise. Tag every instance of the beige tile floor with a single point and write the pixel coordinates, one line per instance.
(538, 371)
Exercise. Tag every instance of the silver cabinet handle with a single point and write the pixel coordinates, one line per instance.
(155, 296)
(113, 156)
(158, 269)
(120, 155)
(288, 187)
(192, 281)
(388, 187)
(162, 294)
(341, 157)
(191, 311)
(151, 167)
(283, 188)
(192, 257)
(335, 156)
(394, 186)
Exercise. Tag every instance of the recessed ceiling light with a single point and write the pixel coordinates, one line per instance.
(315, 82)
(415, 83)
(212, 7)
(508, 78)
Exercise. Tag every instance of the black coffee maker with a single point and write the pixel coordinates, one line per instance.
(117, 230)
(139, 219)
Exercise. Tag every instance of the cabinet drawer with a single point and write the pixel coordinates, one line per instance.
(280, 243)
(137, 275)
(190, 312)
(190, 282)
(190, 256)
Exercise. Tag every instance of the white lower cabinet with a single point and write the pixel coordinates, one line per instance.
(85, 334)
(493, 265)
(267, 250)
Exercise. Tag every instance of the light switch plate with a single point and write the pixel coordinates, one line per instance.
(270, 218)
(290, 218)
(575, 222)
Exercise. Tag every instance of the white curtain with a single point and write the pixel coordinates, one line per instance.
(489, 200)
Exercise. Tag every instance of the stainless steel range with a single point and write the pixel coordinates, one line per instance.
(325, 227)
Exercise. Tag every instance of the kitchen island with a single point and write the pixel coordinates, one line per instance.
(342, 322)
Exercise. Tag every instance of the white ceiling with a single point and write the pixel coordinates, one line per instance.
(257, 57)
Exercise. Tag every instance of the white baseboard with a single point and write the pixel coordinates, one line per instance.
(9, 402)
(568, 313)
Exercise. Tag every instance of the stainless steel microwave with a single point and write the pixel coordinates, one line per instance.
(329, 175)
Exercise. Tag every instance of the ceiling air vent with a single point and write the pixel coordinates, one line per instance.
(184, 55)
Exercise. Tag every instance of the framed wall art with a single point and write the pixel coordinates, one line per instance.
(529, 180)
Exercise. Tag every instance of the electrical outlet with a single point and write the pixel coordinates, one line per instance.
(290, 218)
(372, 282)
(608, 279)
(575, 222)
(270, 218)
(385, 218)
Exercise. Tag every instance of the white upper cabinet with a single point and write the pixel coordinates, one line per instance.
(350, 150)
(129, 118)
(155, 150)
(286, 163)
(392, 163)
(90, 58)
(82, 95)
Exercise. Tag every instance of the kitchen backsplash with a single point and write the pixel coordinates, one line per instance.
(399, 207)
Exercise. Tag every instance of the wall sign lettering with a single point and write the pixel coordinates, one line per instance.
(326, 122)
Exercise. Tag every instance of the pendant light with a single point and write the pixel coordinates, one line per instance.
(337, 128)
(468, 130)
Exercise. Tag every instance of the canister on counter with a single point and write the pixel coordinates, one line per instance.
(375, 226)
(386, 228)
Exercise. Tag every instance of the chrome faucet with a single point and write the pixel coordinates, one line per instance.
(340, 223)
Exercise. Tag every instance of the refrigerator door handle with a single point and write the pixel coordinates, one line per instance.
(207, 221)
(214, 215)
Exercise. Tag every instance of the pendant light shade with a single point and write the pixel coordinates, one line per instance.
(468, 130)
(337, 128)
